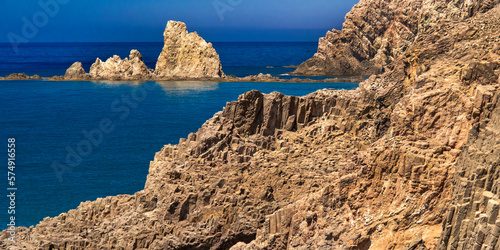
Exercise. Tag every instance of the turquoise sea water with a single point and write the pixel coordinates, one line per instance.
(50, 120)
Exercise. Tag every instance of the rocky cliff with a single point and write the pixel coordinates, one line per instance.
(472, 220)
(376, 32)
(406, 161)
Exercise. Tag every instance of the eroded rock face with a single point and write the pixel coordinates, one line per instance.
(377, 31)
(472, 220)
(374, 33)
(384, 166)
(117, 69)
(187, 55)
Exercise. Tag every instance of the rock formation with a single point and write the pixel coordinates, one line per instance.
(472, 220)
(132, 68)
(187, 55)
(20, 76)
(375, 32)
(269, 78)
(409, 160)
(76, 72)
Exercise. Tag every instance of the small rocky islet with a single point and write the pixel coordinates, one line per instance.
(408, 160)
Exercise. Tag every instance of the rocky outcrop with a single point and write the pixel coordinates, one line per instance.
(76, 72)
(406, 161)
(432, 161)
(132, 68)
(376, 32)
(269, 78)
(20, 76)
(187, 55)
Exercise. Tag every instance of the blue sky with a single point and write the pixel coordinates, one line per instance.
(145, 20)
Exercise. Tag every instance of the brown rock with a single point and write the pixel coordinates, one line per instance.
(20, 76)
(409, 160)
(376, 32)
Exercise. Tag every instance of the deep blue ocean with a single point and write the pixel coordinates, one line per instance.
(49, 120)
(239, 59)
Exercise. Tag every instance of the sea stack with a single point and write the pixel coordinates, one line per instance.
(187, 55)
(184, 56)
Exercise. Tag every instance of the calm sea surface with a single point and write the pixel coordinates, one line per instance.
(239, 59)
(50, 120)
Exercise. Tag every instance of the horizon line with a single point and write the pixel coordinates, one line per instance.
(163, 42)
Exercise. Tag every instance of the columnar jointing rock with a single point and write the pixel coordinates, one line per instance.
(187, 55)
(375, 32)
(472, 222)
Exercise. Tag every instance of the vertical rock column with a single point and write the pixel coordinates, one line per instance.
(472, 220)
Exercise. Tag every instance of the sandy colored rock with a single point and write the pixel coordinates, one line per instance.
(187, 55)
(117, 69)
(76, 71)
